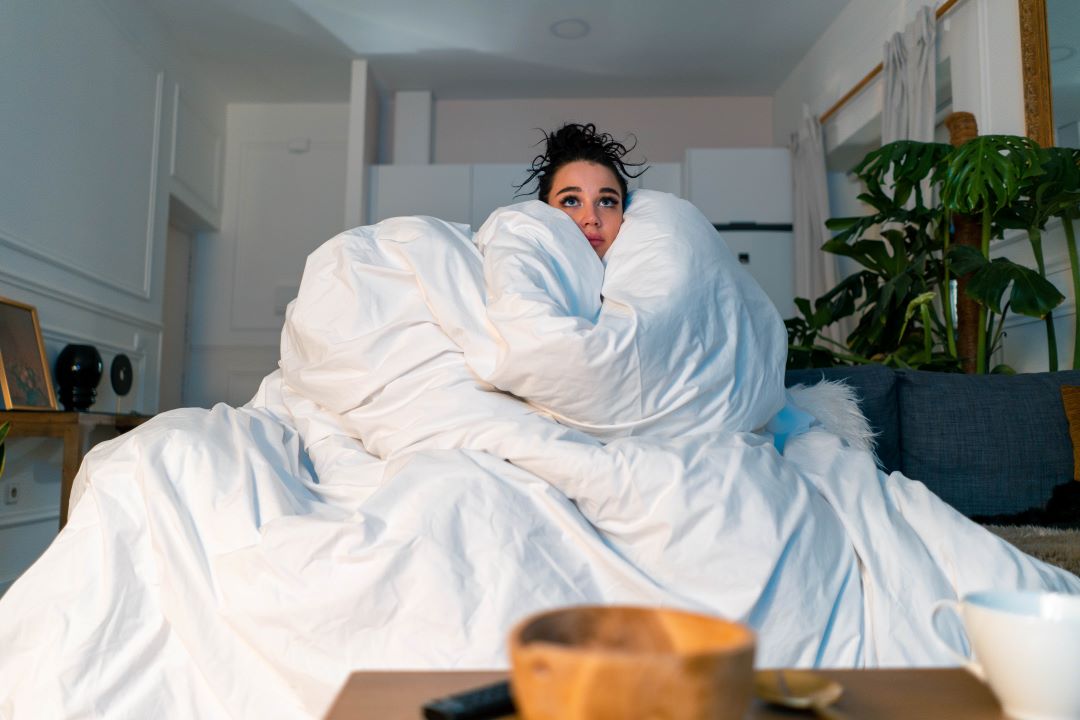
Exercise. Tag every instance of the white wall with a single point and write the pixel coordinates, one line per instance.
(285, 171)
(89, 153)
(505, 131)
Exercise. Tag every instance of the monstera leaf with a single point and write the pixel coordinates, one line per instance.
(987, 173)
(903, 165)
(1031, 294)
(1059, 183)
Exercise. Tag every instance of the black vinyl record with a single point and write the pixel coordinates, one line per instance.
(120, 373)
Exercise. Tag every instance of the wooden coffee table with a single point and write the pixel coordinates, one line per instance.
(938, 694)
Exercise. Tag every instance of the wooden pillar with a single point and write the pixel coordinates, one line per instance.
(967, 230)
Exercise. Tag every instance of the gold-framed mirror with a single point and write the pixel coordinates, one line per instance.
(1035, 57)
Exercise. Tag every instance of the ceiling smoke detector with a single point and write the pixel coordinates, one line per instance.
(570, 29)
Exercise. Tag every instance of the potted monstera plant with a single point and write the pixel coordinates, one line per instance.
(900, 246)
(904, 293)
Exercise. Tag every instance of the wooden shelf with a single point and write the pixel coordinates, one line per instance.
(74, 429)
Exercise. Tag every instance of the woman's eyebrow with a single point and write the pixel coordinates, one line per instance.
(603, 190)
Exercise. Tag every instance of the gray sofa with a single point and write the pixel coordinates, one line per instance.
(989, 445)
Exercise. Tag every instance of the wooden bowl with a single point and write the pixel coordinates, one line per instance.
(596, 663)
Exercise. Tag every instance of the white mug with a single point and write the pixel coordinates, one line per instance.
(1026, 648)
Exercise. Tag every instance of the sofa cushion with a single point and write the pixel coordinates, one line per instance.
(986, 444)
(875, 386)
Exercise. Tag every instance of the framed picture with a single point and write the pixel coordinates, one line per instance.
(25, 380)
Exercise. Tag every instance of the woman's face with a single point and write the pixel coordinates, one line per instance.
(590, 195)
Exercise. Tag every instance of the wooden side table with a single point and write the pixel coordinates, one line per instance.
(75, 429)
(935, 694)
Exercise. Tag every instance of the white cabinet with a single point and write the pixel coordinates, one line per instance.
(747, 194)
(738, 185)
(666, 177)
(442, 191)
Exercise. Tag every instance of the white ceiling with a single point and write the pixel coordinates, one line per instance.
(299, 50)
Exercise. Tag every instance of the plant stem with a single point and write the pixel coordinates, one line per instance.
(843, 356)
(822, 338)
(946, 288)
(995, 335)
(928, 342)
(980, 357)
(1070, 243)
(1035, 236)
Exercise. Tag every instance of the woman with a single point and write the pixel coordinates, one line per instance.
(583, 173)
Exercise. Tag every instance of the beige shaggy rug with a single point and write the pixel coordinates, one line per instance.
(1059, 547)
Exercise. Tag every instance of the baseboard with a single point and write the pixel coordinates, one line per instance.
(19, 518)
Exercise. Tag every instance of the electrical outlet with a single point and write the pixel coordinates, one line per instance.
(12, 492)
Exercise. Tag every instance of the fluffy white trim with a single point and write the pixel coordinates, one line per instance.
(835, 405)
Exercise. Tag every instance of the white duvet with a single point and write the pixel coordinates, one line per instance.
(464, 431)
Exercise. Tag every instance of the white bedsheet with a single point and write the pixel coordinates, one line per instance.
(383, 504)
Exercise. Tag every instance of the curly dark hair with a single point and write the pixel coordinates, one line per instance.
(573, 142)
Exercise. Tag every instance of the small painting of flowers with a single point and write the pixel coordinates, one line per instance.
(25, 380)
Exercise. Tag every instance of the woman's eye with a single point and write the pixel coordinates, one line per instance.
(608, 202)
(570, 202)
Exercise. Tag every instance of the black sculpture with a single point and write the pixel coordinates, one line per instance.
(78, 372)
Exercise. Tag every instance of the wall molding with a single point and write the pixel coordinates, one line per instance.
(67, 337)
(18, 518)
(175, 125)
(235, 347)
(151, 211)
(12, 240)
(80, 302)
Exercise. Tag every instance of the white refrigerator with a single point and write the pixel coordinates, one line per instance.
(746, 193)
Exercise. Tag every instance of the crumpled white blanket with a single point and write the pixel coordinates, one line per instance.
(462, 433)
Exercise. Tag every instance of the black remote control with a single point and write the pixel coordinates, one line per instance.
(490, 701)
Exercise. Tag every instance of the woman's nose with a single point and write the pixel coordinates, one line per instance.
(588, 217)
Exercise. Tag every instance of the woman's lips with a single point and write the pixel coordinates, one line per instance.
(595, 240)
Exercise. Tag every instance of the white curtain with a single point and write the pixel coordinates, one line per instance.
(910, 81)
(815, 271)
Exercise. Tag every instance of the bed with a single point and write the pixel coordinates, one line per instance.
(467, 429)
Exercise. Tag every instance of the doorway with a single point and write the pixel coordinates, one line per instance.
(174, 340)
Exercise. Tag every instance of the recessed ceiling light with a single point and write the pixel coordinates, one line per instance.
(570, 29)
(1060, 53)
